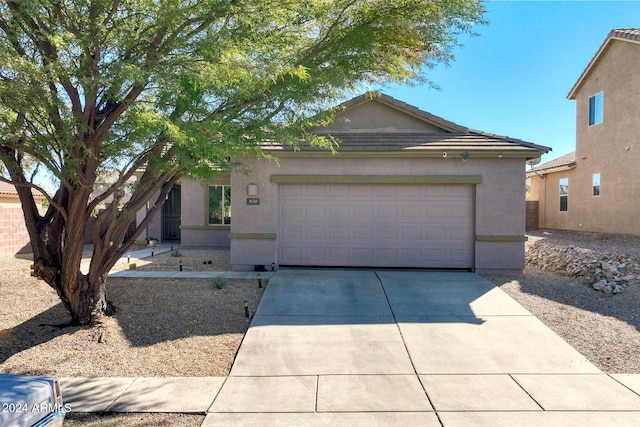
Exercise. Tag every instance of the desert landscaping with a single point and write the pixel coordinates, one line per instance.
(168, 327)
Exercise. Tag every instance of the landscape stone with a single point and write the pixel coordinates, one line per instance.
(599, 285)
(601, 270)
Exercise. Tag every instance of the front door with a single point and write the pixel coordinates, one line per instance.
(171, 216)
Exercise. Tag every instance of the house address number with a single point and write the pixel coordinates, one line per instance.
(253, 201)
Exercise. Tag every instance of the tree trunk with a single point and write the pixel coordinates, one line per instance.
(86, 301)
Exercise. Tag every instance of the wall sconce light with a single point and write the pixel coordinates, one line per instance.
(465, 156)
(252, 189)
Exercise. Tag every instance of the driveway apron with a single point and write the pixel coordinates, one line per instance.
(407, 348)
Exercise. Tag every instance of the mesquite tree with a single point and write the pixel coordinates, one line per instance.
(149, 91)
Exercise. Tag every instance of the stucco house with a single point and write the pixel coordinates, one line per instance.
(405, 189)
(597, 187)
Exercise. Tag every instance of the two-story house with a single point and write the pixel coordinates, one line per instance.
(597, 187)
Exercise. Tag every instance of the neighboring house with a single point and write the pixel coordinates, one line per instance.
(597, 188)
(406, 189)
(14, 237)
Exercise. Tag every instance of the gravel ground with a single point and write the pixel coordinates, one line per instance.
(163, 327)
(604, 328)
(617, 243)
(133, 420)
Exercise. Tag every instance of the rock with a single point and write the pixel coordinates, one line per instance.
(603, 271)
(599, 285)
(618, 289)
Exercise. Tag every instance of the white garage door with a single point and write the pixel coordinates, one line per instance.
(428, 226)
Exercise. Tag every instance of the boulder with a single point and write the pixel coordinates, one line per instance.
(599, 285)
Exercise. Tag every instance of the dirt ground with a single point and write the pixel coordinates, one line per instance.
(163, 327)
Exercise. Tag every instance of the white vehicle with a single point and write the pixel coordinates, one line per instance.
(29, 401)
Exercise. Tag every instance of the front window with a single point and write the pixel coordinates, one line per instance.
(564, 194)
(595, 109)
(219, 204)
(596, 184)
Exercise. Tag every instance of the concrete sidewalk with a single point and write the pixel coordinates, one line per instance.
(386, 348)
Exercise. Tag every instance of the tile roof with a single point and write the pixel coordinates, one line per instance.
(567, 161)
(624, 34)
(382, 141)
(452, 138)
(8, 190)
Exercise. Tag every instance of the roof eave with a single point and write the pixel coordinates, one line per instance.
(413, 152)
(613, 35)
(534, 171)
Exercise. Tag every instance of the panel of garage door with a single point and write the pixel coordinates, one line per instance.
(428, 226)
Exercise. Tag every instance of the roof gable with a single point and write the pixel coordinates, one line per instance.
(631, 35)
(377, 112)
(376, 123)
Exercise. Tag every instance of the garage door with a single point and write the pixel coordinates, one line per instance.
(427, 226)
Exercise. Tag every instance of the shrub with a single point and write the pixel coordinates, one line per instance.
(220, 282)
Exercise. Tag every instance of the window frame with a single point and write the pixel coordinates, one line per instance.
(595, 184)
(225, 205)
(563, 189)
(596, 109)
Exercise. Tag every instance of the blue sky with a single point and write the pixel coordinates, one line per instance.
(513, 79)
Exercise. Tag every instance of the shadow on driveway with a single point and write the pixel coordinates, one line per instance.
(328, 322)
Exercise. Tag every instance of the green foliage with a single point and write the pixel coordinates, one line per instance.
(187, 84)
(220, 282)
(165, 89)
(176, 253)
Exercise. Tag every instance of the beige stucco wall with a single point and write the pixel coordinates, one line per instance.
(374, 116)
(499, 201)
(610, 148)
(194, 229)
(547, 192)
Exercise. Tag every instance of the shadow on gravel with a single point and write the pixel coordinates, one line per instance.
(570, 292)
(159, 310)
(33, 332)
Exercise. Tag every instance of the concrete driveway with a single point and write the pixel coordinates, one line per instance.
(410, 348)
